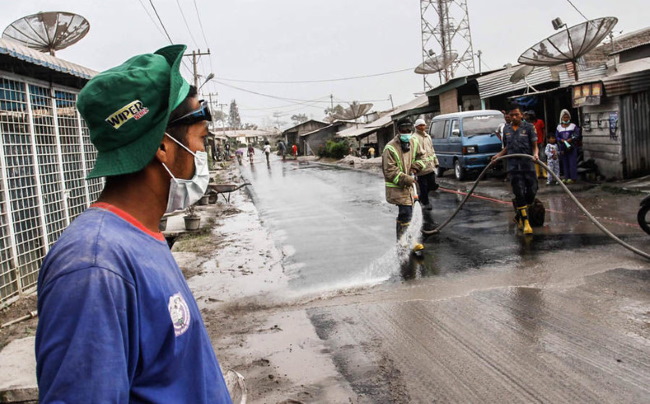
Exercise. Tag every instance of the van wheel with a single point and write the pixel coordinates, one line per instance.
(459, 171)
(439, 171)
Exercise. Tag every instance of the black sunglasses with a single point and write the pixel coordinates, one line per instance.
(201, 114)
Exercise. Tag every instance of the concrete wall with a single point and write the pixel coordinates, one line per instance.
(449, 101)
(316, 141)
(597, 143)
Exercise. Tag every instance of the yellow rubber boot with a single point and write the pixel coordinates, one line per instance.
(525, 224)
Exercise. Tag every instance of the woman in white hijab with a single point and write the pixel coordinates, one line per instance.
(568, 136)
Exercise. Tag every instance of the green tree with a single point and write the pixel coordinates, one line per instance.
(234, 120)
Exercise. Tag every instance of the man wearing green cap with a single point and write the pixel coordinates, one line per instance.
(118, 322)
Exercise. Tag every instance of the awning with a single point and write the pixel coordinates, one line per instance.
(450, 85)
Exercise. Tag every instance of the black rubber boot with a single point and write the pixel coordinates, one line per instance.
(428, 223)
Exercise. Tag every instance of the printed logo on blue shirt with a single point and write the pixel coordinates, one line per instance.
(179, 313)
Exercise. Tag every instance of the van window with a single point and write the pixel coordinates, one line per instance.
(455, 127)
(438, 129)
(481, 124)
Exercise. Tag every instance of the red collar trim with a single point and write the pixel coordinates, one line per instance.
(119, 212)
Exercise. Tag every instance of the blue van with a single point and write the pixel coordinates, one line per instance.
(465, 141)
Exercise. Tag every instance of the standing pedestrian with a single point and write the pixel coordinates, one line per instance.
(294, 151)
(552, 158)
(427, 176)
(117, 320)
(540, 129)
(568, 138)
(267, 151)
(499, 130)
(282, 149)
(399, 160)
(251, 153)
(520, 138)
(371, 152)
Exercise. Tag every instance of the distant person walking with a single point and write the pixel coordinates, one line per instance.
(552, 158)
(251, 153)
(294, 151)
(371, 152)
(399, 162)
(568, 138)
(427, 176)
(267, 151)
(520, 138)
(282, 149)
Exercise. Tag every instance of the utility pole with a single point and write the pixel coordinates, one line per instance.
(478, 54)
(211, 103)
(390, 96)
(331, 102)
(223, 120)
(195, 61)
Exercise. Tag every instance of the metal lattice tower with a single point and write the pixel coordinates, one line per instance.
(445, 30)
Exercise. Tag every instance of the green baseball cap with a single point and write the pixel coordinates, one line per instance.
(127, 109)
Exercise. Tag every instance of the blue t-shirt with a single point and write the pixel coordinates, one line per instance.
(117, 321)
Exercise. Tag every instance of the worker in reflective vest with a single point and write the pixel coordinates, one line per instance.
(400, 159)
(427, 176)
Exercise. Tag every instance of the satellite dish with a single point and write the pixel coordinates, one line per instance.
(354, 111)
(436, 64)
(569, 45)
(521, 74)
(48, 32)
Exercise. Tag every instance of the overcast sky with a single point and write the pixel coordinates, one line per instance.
(298, 40)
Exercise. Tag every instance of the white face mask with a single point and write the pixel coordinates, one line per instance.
(183, 193)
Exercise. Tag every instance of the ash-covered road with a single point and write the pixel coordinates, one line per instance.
(486, 316)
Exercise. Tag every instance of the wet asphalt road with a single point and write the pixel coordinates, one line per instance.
(486, 316)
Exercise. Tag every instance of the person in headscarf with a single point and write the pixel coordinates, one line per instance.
(568, 136)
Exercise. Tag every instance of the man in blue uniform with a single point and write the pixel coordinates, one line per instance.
(520, 138)
(118, 322)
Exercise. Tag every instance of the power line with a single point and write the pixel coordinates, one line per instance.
(580, 12)
(167, 34)
(316, 81)
(298, 101)
(161, 23)
(151, 18)
(186, 24)
(198, 15)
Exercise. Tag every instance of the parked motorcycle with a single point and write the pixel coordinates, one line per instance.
(643, 217)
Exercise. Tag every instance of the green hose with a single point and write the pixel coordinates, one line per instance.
(582, 208)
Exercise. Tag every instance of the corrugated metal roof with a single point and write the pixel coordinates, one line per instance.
(18, 51)
(621, 84)
(499, 82)
(354, 132)
(631, 77)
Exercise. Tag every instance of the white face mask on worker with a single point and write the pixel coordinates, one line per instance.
(184, 193)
